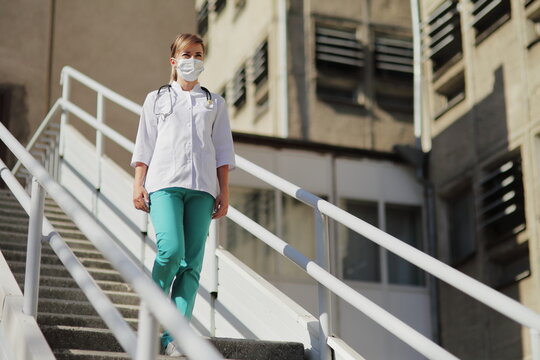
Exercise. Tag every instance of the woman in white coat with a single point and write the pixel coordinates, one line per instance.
(183, 153)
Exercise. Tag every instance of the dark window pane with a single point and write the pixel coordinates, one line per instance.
(461, 226)
(361, 260)
(404, 222)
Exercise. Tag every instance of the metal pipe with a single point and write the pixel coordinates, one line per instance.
(100, 118)
(282, 59)
(321, 234)
(417, 71)
(213, 273)
(535, 344)
(56, 107)
(147, 348)
(481, 292)
(68, 71)
(105, 130)
(101, 303)
(166, 313)
(66, 90)
(33, 253)
(388, 321)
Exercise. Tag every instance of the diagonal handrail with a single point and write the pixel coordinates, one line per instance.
(44, 124)
(152, 296)
(103, 305)
(497, 301)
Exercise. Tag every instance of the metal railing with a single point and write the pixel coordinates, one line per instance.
(323, 210)
(154, 304)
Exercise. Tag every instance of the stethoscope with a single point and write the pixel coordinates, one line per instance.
(208, 104)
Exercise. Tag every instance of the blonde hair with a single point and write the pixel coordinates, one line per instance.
(182, 41)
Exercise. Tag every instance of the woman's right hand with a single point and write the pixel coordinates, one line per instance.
(140, 198)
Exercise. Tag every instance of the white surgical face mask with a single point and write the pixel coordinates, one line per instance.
(189, 69)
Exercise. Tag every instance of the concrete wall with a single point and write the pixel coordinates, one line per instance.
(495, 118)
(121, 44)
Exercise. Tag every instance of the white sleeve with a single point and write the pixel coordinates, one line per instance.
(146, 134)
(222, 137)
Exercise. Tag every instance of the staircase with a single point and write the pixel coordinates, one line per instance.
(70, 324)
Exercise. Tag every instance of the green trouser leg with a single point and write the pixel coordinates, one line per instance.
(181, 218)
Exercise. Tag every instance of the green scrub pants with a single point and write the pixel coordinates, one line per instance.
(181, 218)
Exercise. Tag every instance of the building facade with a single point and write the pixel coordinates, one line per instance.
(348, 102)
(482, 84)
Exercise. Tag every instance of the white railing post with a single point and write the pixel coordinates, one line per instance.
(147, 342)
(213, 260)
(33, 253)
(100, 117)
(321, 233)
(144, 239)
(64, 81)
(535, 343)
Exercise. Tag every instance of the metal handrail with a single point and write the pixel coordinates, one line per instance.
(474, 288)
(44, 124)
(497, 301)
(103, 305)
(151, 295)
(391, 323)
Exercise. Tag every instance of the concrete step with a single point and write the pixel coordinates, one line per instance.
(81, 254)
(62, 224)
(52, 259)
(80, 338)
(61, 306)
(13, 213)
(87, 321)
(58, 270)
(72, 354)
(21, 228)
(22, 237)
(67, 282)
(102, 340)
(258, 349)
(57, 292)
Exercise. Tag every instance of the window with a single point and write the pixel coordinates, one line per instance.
(260, 65)
(502, 205)
(404, 222)
(219, 5)
(339, 58)
(258, 205)
(444, 30)
(362, 260)
(393, 61)
(394, 54)
(239, 88)
(449, 94)
(461, 226)
(297, 229)
(533, 26)
(202, 19)
(489, 15)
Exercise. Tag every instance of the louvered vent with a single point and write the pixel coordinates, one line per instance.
(394, 54)
(219, 5)
(239, 88)
(489, 13)
(202, 19)
(444, 34)
(502, 209)
(338, 48)
(260, 64)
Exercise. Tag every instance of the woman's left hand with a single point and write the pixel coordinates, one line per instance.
(221, 205)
